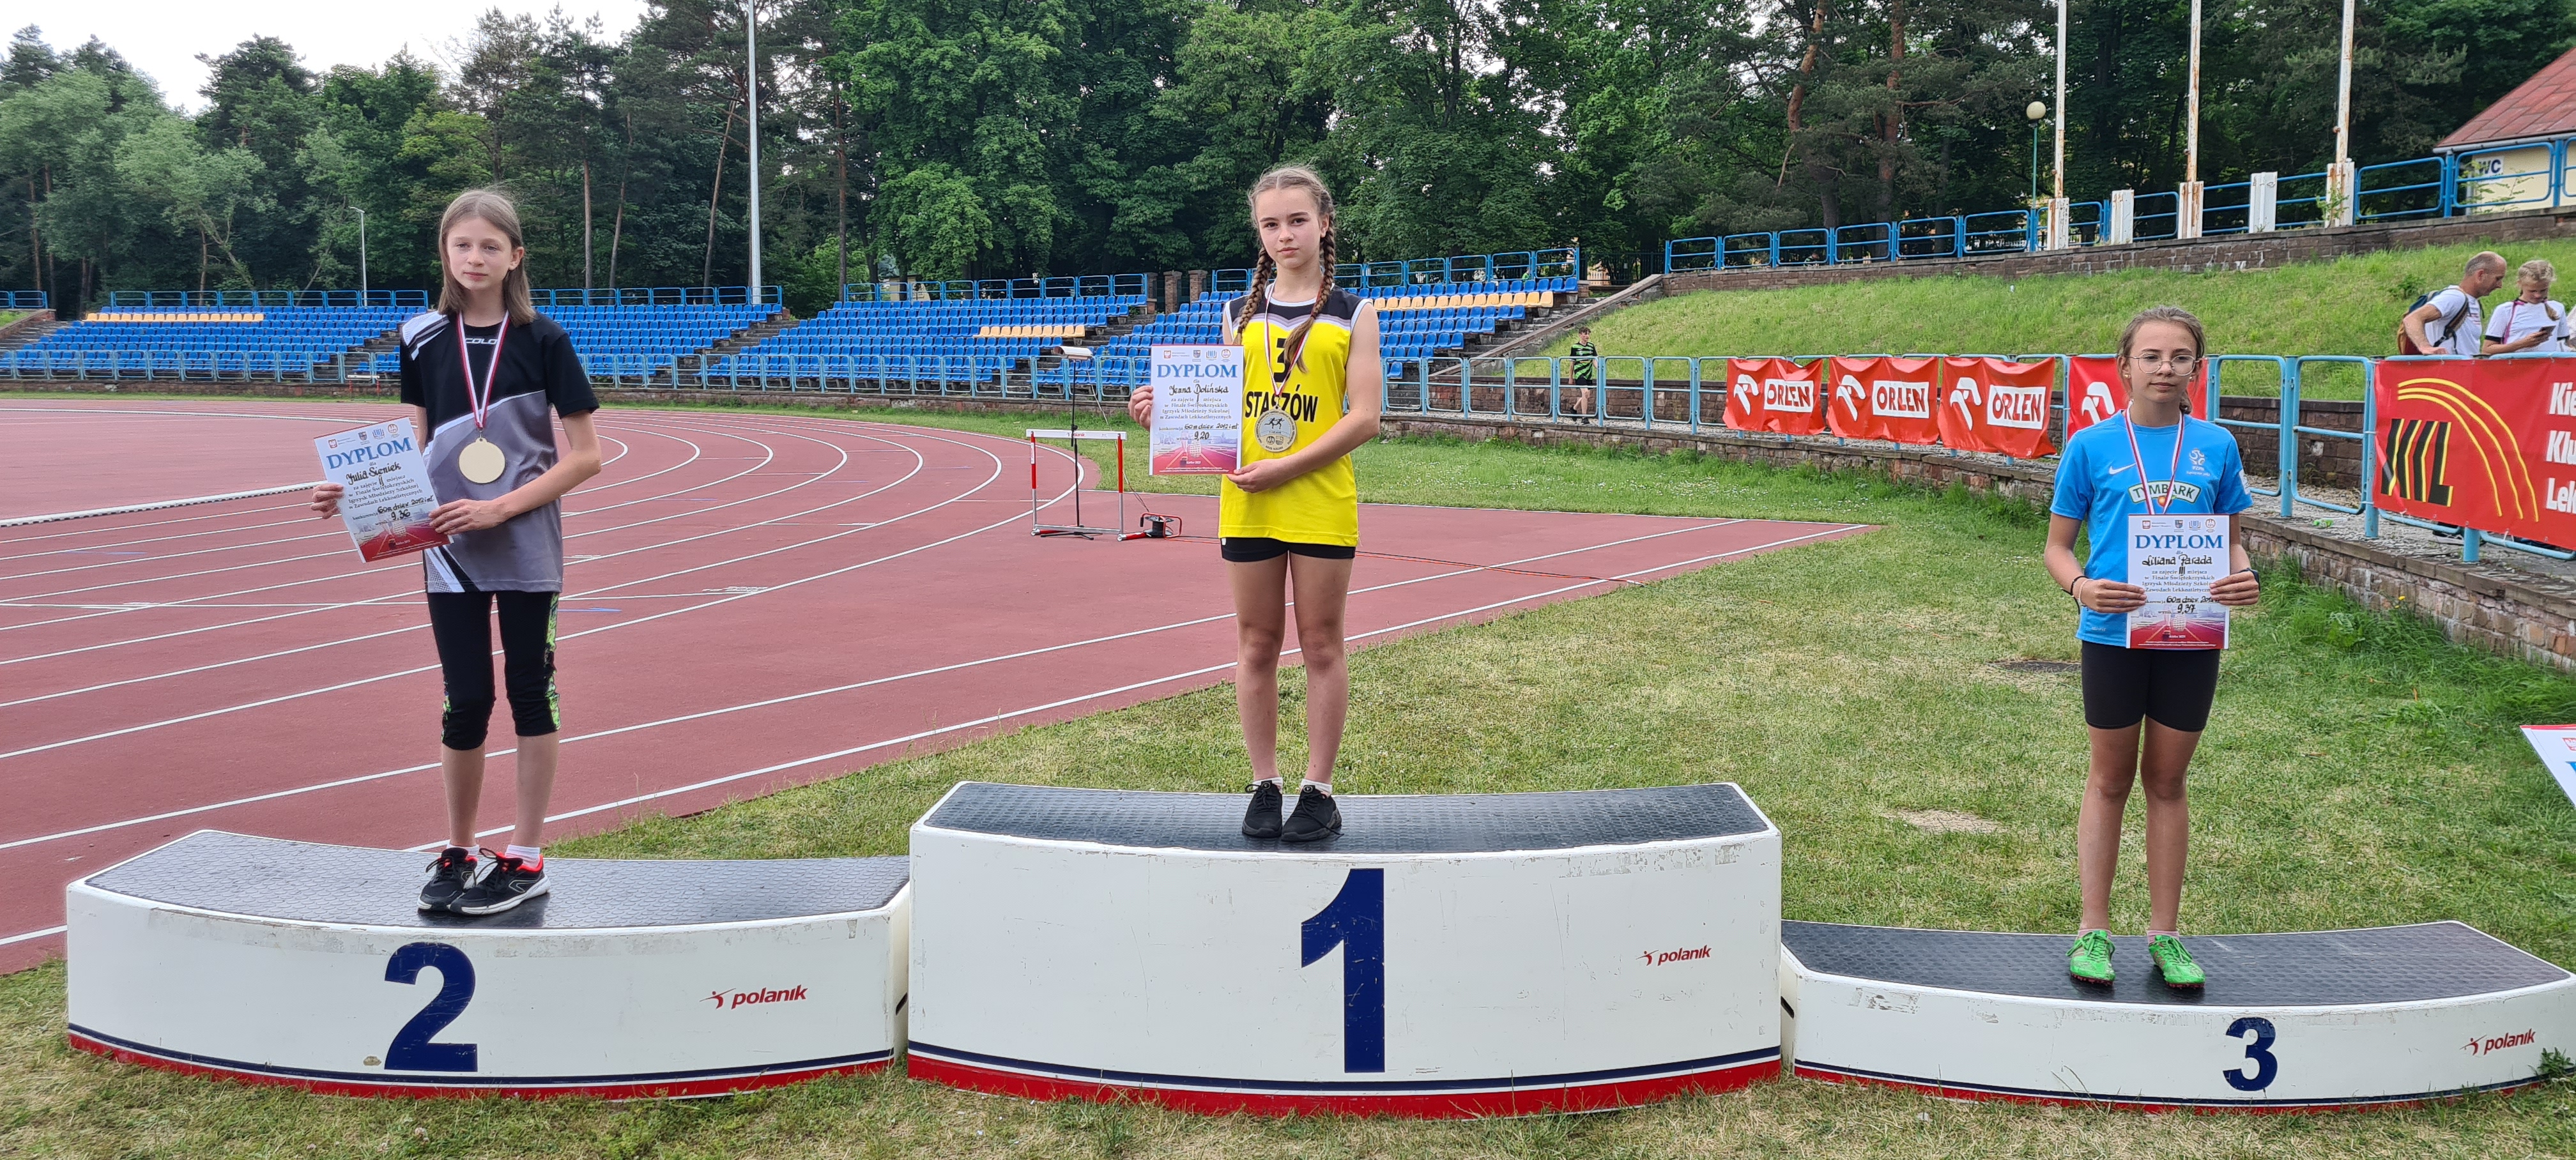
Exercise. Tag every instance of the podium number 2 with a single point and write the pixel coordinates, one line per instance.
(2266, 1065)
(1356, 922)
(411, 1049)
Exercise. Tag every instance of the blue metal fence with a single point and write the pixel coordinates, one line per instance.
(1515, 264)
(22, 299)
(253, 299)
(2440, 186)
(998, 289)
(660, 296)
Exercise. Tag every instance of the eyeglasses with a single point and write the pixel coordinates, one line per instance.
(2180, 362)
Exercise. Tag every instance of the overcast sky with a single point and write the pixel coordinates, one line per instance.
(163, 37)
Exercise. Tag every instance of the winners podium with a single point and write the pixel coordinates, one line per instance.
(305, 964)
(1445, 956)
(2287, 1022)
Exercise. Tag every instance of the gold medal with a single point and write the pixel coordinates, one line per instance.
(1275, 431)
(481, 461)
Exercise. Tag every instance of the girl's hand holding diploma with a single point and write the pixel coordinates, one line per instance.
(326, 500)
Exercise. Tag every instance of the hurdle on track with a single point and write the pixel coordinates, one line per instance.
(1073, 438)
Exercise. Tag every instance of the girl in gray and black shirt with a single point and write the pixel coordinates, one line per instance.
(486, 376)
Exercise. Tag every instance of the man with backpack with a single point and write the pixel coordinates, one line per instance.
(2447, 320)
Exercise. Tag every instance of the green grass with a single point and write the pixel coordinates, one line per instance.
(2346, 306)
(2358, 770)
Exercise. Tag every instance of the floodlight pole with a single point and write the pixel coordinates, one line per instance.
(2187, 200)
(362, 255)
(2059, 236)
(751, 78)
(2342, 191)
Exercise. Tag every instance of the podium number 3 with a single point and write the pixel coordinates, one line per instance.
(411, 1049)
(1356, 922)
(2266, 1065)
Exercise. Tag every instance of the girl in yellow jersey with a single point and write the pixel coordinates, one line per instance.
(1289, 517)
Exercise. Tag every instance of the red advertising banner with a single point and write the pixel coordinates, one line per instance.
(2095, 391)
(2486, 444)
(1988, 404)
(1884, 398)
(1775, 394)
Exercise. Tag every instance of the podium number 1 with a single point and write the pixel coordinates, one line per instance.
(1356, 922)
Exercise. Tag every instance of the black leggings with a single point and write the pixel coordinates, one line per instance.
(462, 622)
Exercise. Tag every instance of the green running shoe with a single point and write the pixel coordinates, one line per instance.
(2090, 961)
(2174, 963)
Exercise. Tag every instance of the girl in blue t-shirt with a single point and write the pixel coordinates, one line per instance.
(2152, 460)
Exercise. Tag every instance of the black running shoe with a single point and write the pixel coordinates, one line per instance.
(505, 882)
(1261, 818)
(1316, 819)
(448, 877)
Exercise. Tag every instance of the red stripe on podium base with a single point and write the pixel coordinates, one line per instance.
(1422, 1106)
(2145, 1105)
(651, 1089)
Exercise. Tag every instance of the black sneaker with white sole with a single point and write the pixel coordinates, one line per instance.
(1316, 819)
(449, 874)
(505, 882)
(1261, 818)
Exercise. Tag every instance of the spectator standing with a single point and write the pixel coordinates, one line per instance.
(2448, 322)
(1587, 363)
(2532, 323)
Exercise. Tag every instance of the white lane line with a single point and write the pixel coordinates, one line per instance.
(855, 429)
(397, 566)
(25, 935)
(991, 660)
(131, 509)
(998, 718)
(622, 449)
(332, 688)
(334, 533)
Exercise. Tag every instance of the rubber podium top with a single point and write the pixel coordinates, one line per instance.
(2329, 968)
(1427, 824)
(311, 882)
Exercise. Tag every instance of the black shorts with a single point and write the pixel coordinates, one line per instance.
(2172, 685)
(1255, 549)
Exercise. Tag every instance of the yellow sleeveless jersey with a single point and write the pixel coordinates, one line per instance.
(1323, 505)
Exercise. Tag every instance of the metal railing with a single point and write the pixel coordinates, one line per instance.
(2445, 185)
(998, 289)
(22, 299)
(1513, 265)
(284, 366)
(660, 296)
(254, 299)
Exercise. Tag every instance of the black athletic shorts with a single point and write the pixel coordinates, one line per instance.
(1255, 549)
(2172, 685)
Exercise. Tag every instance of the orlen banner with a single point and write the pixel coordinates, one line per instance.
(1988, 404)
(1884, 398)
(2487, 444)
(2095, 391)
(1775, 394)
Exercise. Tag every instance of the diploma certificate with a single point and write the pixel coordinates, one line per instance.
(1198, 410)
(389, 498)
(2176, 559)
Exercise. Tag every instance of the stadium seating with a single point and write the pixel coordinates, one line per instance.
(635, 341)
(202, 342)
(970, 341)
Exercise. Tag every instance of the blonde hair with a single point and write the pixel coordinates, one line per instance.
(492, 207)
(1257, 299)
(2538, 270)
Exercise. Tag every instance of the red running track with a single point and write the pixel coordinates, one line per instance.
(751, 602)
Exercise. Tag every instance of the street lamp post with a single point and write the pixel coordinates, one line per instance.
(2187, 200)
(2057, 237)
(2342, 192)
(2037, 112)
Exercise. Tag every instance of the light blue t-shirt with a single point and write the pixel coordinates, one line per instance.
(2097, 482)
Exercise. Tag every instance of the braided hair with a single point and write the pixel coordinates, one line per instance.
(1257, 298)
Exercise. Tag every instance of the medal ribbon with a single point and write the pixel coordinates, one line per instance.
(2172, 477)
(481, 404)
